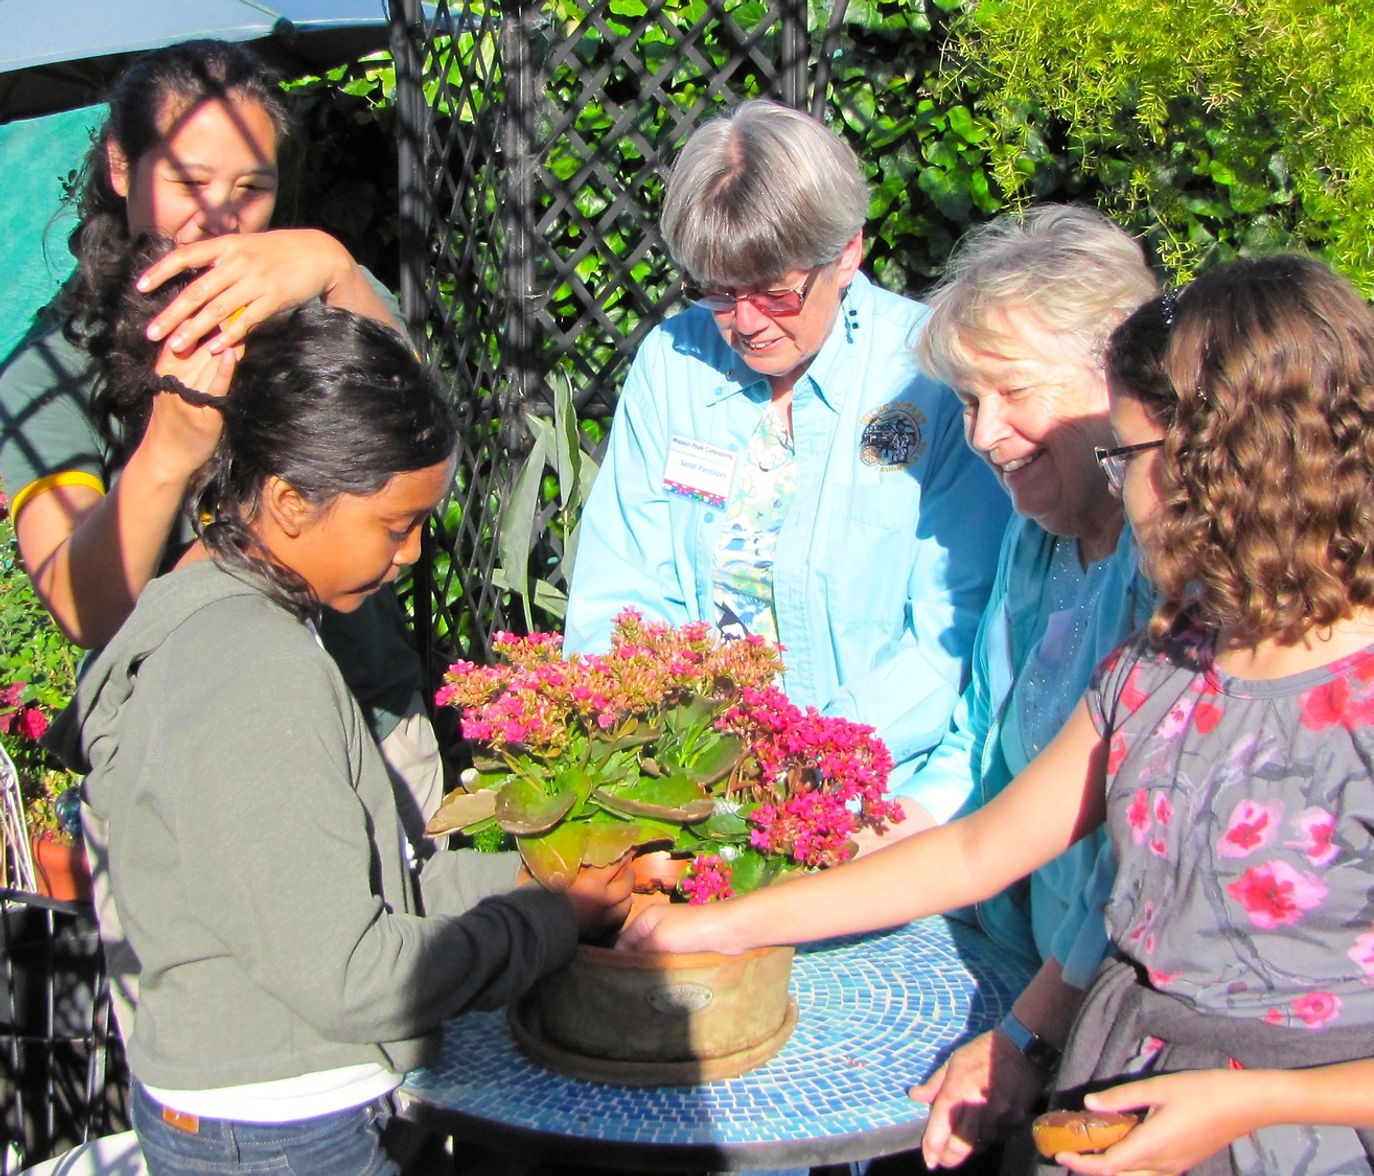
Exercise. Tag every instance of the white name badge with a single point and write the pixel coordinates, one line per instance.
(699, 471)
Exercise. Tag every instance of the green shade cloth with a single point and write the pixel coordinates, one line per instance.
(36, 157)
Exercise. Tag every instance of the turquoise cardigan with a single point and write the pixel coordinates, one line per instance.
(1057, 913)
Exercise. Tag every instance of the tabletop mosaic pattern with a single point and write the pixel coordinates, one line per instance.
(877, 1013)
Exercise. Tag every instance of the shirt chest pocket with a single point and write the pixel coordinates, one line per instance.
(866, 550)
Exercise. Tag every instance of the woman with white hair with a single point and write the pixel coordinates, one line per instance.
(779, 464)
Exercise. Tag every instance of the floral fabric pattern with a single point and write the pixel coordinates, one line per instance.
(1243, 816)
(1242, 813)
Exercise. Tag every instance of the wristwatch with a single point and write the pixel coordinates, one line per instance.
(1035, 1049)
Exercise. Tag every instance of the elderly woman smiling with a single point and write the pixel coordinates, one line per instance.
(1018, 327)
(779, 465)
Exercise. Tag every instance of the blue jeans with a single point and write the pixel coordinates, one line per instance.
(345, 1143)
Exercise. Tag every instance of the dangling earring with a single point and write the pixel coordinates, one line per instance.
(851, 316)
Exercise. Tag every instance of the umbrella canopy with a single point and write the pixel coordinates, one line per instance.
(57, 54)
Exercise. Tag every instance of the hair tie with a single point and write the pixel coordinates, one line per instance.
(190, 395)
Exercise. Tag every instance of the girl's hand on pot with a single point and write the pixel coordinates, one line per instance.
(671, 927)
(601, 895)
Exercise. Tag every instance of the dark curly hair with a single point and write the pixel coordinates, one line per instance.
(162, 82)
(1261, 375)
(123, 397)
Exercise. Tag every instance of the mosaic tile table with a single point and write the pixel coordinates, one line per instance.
(877, 1013)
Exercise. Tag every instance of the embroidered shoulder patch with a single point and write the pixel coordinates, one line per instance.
(891, 438)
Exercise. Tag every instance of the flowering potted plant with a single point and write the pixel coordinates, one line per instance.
(672, 739)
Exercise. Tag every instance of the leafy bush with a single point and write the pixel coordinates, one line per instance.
(1218, 128)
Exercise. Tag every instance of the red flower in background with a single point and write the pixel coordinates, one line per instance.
(19, 718)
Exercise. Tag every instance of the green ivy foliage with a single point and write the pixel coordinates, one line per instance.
(1218, 127)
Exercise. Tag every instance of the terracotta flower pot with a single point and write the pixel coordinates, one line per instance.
(659, 1018)
(659, 871)
(61, 870)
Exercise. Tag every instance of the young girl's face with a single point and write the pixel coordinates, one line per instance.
(1140, 489)
(214, 171)
(351, 546)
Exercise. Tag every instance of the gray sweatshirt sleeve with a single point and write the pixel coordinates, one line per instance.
(267, 851)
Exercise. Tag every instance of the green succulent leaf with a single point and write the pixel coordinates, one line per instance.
(553, 858)
(610, 839)
(670, 798)
(524, 806)
(462, 810)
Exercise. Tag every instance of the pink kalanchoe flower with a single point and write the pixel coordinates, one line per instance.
(707, 879)
(805, 784)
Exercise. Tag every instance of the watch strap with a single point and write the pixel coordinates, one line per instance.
(1041, 1054)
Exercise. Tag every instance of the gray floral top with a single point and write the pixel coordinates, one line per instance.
(1242, 813)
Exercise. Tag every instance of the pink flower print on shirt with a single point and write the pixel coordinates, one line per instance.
(1275, 894)
(1115, 754)
(1316, 826)
(1323, 705)
(1315, 1009)
(1334, 702)
(1363, 954)
(1176, 721)
(1206, 715)
(1141, 931)
(1164, 813)
(1138, 816)
(1132, 696)
(1252, 826)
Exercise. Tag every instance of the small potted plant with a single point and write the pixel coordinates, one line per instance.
(673, 740)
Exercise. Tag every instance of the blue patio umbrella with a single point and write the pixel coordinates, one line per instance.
(59, 54)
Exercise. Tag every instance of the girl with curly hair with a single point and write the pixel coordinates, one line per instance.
(1229, 749)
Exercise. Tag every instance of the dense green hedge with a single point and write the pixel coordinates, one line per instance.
(1217, 127)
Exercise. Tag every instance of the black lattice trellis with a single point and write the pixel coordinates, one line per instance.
(533, 144)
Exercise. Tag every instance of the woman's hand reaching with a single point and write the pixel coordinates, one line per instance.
(248, 277)
(976, 1098)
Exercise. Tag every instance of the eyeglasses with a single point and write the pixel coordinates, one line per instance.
(1113, 461)
(774, 303)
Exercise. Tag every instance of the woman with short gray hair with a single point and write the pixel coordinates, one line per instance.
(802, 196)
(779, 464)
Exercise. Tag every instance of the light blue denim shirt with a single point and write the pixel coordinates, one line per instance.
(1057, 914)
(885, 559)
